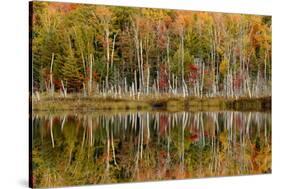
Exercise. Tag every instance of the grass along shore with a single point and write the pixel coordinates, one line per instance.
(163, 102)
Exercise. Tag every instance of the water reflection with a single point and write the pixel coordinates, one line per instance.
(74, 149)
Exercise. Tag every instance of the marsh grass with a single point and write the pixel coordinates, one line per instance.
(148, 103)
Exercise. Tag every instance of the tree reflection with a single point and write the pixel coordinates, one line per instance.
(74, 149)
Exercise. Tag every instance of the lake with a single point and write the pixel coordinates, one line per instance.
(111, 147)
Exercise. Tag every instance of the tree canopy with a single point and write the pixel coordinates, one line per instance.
(107, 47)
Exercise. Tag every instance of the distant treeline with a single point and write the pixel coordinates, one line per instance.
(106, 50)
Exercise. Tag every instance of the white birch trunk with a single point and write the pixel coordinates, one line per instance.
(51, 76)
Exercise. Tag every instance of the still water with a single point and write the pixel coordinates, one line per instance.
(112, 147)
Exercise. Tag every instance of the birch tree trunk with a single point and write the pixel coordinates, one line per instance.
(113, 47)
(168, 58)
(202, 79)
(90, 84)
(182, 56)
(107, 56)
(147, 80)
(141, 66)
(64, 89)
(51, 76)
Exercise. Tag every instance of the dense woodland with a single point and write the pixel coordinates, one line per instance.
(119, 51)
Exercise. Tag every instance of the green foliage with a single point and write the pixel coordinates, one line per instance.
(75, 33)
(71, 72)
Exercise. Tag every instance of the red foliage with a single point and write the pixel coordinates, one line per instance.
(95, 75)
(193, 67)
(194, 137)
(238, 122)
(163, 123)
(46, 74)
(161, 30)
(62, 7)
(57, 83)
(56, 120)
(192, 77)
(237, 82)
(193, 73)
(163, 77)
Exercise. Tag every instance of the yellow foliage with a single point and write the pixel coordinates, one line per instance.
(220, 50)
(223, 66)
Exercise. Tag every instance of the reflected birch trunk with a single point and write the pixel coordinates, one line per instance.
(63, 122)
(51, 130)
(108, 146)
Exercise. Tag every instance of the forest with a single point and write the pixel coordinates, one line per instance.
(123, 94)
(80, 50)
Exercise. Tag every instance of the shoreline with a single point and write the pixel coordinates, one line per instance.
(149, 103)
